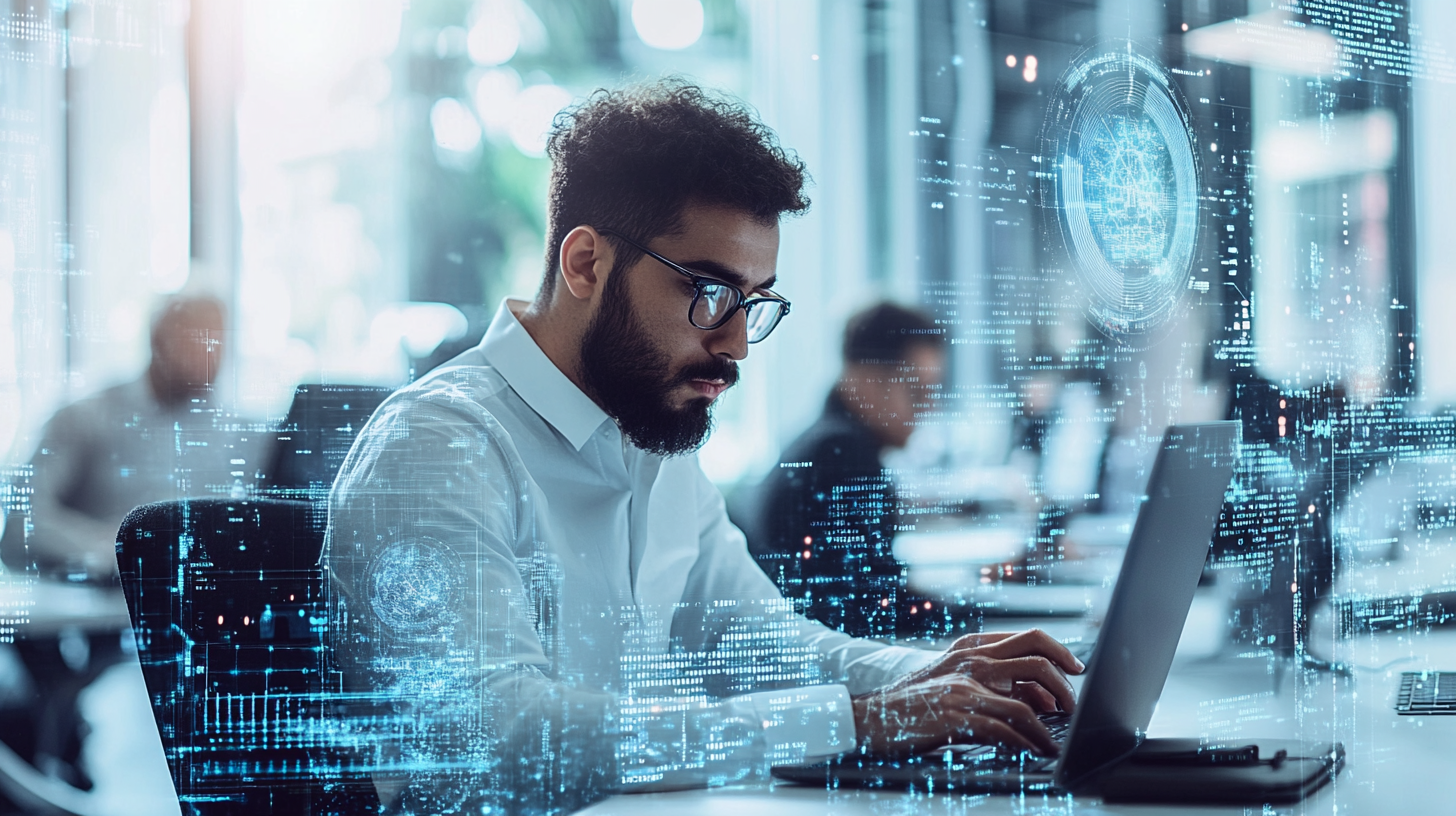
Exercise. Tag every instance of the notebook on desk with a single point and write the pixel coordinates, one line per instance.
(1131, 659)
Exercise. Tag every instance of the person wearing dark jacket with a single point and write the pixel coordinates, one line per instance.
(827, 514)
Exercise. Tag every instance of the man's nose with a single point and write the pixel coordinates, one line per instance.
(731, 338)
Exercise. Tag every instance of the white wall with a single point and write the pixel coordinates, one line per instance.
(32, 232)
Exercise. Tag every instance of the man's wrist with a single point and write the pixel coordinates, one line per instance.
(861, 706)
(805, 723)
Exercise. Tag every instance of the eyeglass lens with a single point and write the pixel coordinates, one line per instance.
(762, 318)
(715, 304)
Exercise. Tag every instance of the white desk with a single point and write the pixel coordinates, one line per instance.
(48, 607)
(1396, 765)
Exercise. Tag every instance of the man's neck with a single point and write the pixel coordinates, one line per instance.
(855, 403)
(169, 394)
(555, 334)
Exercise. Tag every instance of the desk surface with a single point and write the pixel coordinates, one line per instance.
(1396, 764)
(38, 607)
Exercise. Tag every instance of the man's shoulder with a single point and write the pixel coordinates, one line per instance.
(447, 419)
(829, 441)
(98, 408)
(463, 395)
(467, 384)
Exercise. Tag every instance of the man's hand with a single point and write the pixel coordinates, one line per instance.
(1028, 666)
(987, 689)
(907, 718)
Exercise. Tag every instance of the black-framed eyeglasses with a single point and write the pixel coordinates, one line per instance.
(715, 301)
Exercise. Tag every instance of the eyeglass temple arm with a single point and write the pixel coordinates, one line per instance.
(681, 270)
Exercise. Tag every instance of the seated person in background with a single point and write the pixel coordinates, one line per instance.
(827, 515)
(152, 439)
(529, 568)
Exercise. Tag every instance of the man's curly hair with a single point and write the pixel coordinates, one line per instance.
(631, 159)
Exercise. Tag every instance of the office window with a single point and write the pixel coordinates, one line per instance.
(34, 239)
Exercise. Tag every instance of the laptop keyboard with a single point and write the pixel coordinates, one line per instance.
(1059, 724)
(991, 757)
(1427, 692)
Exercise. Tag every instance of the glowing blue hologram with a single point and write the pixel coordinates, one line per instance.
(1123, 189)
(413, 584)
(1128, 177)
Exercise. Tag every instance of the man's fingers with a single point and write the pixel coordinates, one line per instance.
(988, 731)
(1001, 676)
(1018, 716)
(991, 731)
(1039, 670)
(1033, 643)
(931, 713)
(1035, 696)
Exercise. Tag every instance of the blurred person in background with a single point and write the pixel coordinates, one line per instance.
(151, 439)
(827, 514)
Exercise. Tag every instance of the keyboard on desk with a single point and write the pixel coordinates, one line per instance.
(999, 757)
(1427, 692)
(982, 768)
(1058, 723)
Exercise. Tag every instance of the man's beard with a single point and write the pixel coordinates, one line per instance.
(629, 378)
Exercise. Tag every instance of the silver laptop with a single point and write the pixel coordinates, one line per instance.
(1134, 650)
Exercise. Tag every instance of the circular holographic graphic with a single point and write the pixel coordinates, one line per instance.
(413, 584)
(1122, 185)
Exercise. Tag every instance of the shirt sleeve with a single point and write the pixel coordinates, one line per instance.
(447, 620)
(63, 536)
(813, 718)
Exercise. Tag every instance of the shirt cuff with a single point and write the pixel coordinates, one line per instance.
(804, 724)
(908, 659)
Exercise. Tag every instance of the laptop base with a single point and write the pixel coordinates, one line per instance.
(938, 772)
(1164, 771)
(1180, 771)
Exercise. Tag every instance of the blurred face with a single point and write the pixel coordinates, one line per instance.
(891, 399)
(643, 362)
(911, 390)
(187, 347)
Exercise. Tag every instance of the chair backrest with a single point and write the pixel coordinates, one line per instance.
(227, 604)
(14, 555)
(316, 436)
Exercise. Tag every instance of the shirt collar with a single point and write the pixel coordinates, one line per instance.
(537, 380)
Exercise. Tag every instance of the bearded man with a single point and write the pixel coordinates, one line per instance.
(530, 572)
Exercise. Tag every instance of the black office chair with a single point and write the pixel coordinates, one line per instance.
(316, 435)
(227, 604)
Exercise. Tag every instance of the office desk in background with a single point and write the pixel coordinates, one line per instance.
(81, 636)
(1396, 764)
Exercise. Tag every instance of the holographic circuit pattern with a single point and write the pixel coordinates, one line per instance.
(1123, 191)
(412, 584)
(1127, 176)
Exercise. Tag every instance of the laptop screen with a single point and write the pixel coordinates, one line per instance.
(1164, 558)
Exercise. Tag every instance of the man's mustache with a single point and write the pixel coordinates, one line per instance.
(714, 369)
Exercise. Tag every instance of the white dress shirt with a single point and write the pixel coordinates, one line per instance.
(550, 611)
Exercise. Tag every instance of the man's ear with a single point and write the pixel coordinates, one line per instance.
(586, 260)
